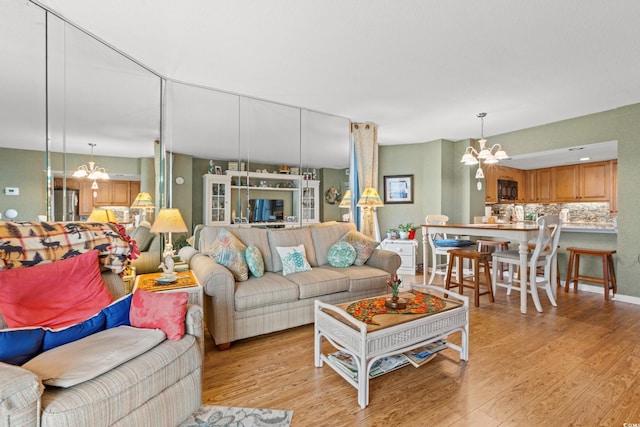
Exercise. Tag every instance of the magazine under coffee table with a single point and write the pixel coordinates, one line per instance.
(395, 334)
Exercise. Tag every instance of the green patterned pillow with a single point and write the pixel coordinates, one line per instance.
(228, 250)
(341, 255)
(363, 245)
(254, 260)
(294, 259)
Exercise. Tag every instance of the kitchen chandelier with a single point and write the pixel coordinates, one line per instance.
(92, 172)
(485, 155)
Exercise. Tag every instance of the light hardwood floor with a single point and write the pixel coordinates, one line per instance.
(576, 365)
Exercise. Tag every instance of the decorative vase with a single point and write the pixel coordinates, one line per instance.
(412, 234)
(396, 303)
(404, 235)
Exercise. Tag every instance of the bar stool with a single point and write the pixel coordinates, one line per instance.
(478, 259)
(497, 246)
(608, 279)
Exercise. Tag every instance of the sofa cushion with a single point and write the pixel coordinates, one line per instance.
(143, 237)
(341, 255)
(291, 237)
(270, 289)
(229, 251)
(56, 337)
(54, 295)
(319, 281)
(294, 259)
(327, 234)
(363, 244)
(82, 360)
(19, 345)
(254, 261)
(363, 278)
(159, 310)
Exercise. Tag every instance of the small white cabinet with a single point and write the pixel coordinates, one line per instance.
(217, 204)
(309, 206)
(407, 251)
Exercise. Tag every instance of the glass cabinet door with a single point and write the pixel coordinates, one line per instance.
(310, 208)
(217, 190)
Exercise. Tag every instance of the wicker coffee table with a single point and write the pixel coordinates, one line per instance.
(395, 334)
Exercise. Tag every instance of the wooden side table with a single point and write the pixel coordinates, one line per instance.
(186, 282)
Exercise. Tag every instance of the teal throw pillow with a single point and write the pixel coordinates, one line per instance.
(294, 259)
(341, 255)
(254, 260)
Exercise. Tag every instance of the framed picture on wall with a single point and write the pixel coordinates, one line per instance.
(398, 189)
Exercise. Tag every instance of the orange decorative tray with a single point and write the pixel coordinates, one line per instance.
(148, 282)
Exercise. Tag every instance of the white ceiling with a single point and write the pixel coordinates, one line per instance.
(420, 69)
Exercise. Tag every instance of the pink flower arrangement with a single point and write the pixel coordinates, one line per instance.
(394, 283)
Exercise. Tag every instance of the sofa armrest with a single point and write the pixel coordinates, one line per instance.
(388, 261)
(186, 253)
(194, 325)
(19, 396)
(219, 286)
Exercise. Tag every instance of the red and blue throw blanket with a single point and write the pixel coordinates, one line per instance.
(24, 244)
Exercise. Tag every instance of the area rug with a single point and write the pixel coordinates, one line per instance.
(216, 416)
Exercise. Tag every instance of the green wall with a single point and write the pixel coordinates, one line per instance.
(450, 188)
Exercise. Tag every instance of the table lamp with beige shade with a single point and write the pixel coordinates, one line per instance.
(169, 220)
(102, 215)
(345, 203)
(144, 202)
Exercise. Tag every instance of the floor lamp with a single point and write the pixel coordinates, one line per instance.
(370, 200)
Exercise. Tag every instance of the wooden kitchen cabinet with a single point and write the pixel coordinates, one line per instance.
(529, 189)
(112, 193)
(543, 185)
(490, 184)
(588, 182)
(613, 192)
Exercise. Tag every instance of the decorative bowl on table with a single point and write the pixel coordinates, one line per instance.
(166, 279)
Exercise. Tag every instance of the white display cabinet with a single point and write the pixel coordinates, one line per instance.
(217, 199)
(300, 196)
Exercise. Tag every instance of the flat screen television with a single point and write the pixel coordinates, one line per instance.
(266, 210)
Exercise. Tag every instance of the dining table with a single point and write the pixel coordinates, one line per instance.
(521, 232)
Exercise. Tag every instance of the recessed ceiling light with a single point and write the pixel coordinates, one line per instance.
(584, 159)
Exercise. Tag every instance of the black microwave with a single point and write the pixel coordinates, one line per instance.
(507, 190)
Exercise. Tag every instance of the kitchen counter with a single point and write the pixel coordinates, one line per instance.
(589, 227)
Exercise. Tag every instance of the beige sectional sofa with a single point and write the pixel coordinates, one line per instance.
(240, 309)
(160, 387)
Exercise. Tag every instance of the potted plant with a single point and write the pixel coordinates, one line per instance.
(407, 231)
(391, 233)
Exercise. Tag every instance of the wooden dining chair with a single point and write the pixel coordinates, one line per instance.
(542, 258)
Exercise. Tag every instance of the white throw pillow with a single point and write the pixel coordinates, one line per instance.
(82, 360)
(294, 259)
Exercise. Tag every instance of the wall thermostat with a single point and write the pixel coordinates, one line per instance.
(11, 191)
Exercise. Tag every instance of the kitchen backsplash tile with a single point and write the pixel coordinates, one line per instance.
(597, 213)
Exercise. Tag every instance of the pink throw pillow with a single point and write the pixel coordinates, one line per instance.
(53, 295)
(159, 310)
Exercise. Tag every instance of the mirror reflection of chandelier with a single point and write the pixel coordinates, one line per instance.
(485, 155)
(92, 172)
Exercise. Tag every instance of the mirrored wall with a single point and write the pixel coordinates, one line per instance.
(66, 93)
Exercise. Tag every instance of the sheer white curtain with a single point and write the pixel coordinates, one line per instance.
(365, 137)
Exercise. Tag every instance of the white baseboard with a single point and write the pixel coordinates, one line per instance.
(600, 290)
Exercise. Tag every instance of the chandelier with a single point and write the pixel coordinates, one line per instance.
(489, 156)
(92, 172)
